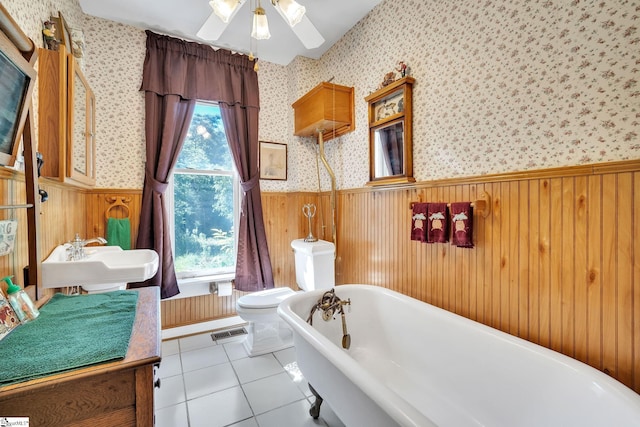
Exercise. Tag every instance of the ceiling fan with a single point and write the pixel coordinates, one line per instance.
(290, 10)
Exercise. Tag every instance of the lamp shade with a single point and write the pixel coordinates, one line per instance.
(292, 10)
(224, 8)
(260, 25)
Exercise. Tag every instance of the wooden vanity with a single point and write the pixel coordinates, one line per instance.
(110, 394)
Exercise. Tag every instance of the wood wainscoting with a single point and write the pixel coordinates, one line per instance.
(556, 262)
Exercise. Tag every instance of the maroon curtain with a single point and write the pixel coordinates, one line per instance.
(175, 68)
(253, 265)
(167, 121)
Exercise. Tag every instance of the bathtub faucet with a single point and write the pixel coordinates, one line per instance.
(329, 303)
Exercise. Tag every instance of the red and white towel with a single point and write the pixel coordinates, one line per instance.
(419, 222)
(462, 224)
(437, 223)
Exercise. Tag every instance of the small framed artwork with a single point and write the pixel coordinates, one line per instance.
(390, 105)
(273, 161)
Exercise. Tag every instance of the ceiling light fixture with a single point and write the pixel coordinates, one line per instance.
(224, 8)
(260, 24)
(291, 9)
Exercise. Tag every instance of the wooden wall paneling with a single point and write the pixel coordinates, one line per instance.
(566, 280)
(504, 256)
(609, 252)
(495, 276)
(399, 214)
(635, 283)
(514, 257)
(624, 265)
(411, 247)
(545, 262)
(556, 259)
(524, 242)
(345, 232)
(594, 284)
(481, 256)
(534, 261)
(580, 273)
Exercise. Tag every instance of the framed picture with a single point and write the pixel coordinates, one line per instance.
(273, 161)
(390, 105)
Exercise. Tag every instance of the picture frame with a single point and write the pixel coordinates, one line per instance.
(390, 106)
(273, 161)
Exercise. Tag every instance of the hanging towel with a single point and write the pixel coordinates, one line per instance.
(419, 222)
(119, 232)
(437, 223)
(462, 224)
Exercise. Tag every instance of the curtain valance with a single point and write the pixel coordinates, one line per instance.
(196, 71)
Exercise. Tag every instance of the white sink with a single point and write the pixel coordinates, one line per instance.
(101, 265)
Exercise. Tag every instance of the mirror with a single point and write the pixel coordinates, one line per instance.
(388, 150)
(390, 147)
(81, 127)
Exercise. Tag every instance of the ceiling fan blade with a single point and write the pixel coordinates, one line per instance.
(213, 27)
(306, 32)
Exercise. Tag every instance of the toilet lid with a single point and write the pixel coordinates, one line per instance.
(265, 299)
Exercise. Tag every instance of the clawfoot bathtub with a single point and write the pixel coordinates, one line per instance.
(412, 364)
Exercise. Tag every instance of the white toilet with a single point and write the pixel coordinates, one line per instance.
(315, 269)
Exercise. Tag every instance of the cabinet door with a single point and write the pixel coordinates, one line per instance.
(81, 127)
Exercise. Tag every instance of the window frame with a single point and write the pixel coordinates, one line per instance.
(170, 203)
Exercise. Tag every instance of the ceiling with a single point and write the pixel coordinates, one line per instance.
(184, 18)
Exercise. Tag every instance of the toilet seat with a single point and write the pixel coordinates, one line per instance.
(269, 298)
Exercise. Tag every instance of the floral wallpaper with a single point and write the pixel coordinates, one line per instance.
(114, 59)
(500, 86)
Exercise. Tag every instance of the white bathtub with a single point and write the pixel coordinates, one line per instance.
(413, 364)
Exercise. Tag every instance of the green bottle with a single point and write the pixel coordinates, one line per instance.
(20, 301)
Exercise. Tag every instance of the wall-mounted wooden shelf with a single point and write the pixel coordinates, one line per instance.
(327, 107)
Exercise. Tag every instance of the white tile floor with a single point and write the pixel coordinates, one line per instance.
(205, 383)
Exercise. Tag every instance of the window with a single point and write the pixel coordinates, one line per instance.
(204, 194)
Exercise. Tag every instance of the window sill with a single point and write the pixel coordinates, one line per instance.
(199, 286)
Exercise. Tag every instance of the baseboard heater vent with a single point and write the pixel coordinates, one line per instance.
(228, 334)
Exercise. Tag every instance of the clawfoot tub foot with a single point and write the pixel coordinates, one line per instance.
(314, 411)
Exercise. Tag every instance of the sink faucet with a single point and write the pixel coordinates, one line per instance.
(76, 250)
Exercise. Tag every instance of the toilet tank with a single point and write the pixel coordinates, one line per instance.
(315, 264)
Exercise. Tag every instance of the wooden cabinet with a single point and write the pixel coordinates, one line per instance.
(66, 121)
(390, 134)
(328, 108)
(110, 394)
